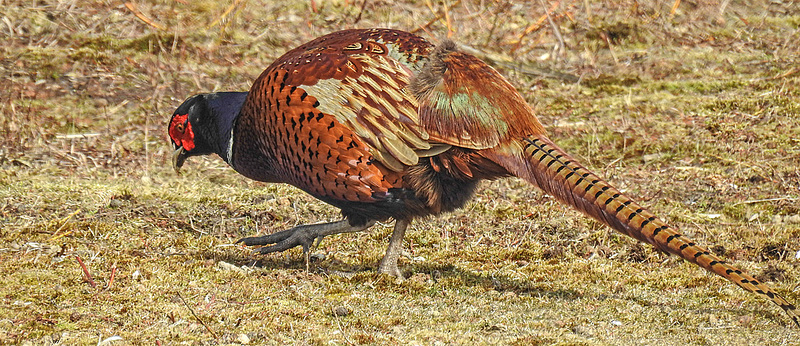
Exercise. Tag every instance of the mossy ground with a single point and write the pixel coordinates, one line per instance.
(694, 110)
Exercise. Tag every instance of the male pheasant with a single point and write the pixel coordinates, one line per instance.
(382, 124)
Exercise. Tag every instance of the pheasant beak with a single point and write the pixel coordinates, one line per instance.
(178, 157)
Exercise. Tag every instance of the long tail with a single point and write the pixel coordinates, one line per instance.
(550, 168)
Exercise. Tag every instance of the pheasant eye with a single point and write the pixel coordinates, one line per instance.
(180, 131)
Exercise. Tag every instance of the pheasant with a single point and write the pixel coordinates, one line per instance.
(384, 125)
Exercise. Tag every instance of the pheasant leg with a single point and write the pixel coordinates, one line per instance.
(388, 264)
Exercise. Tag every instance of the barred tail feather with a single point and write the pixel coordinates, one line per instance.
(547, 166)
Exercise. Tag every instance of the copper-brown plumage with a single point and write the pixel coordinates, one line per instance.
(382, 124)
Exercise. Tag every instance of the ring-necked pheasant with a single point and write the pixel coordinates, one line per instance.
(382, 124)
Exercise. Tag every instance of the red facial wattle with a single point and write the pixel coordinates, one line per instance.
(180, 131)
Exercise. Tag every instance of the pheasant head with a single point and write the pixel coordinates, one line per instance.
(202, 125)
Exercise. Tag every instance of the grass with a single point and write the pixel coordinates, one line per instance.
(696, 112)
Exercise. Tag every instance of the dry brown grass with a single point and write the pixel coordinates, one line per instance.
(693, 109)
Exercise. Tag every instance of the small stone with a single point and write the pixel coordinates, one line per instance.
(75, 317)
(341, 311)
(745, 320)
(115, 203)
(713, 319)
(55, 337)
(718, 250)
(243, 339)
(227, 266)
(421, 278)
(583, 331)
(509, 294)
(710, 216)
(222, 265)
(652, 157)
(54, 249)
(436, 275)
(494, 328)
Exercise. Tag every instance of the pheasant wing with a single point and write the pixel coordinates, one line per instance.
(363, 83)
(466, 103)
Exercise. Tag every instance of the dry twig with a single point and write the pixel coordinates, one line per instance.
(562, 47)
(113, 274)
(64, 224)
(143, 17)
(674, 8)
(197, 317)
(751, 201)
(439, 17)
(225, 14)
(86, 273)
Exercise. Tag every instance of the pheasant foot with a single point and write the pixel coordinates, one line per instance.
(303, 235)
(388, 264)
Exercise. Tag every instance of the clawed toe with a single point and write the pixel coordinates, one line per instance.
(283, 240)
(273, 238)
(301, 236)
(391, 269)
